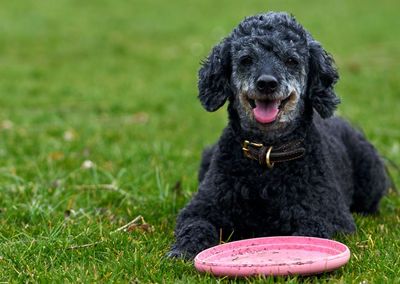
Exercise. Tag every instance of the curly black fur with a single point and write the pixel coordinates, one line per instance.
(312, 196)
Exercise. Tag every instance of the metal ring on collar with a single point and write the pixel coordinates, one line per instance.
(267, 158)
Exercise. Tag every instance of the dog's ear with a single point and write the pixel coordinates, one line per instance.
(214, 77)
(322, 78)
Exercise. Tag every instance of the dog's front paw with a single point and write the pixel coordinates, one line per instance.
(176, 254)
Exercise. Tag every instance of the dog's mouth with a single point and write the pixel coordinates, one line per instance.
(267, 111)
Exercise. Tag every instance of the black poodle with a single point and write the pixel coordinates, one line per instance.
(283, 165)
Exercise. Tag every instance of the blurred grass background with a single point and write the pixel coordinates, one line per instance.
(99, 123)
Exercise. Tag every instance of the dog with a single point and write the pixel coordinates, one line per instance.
(284, 165)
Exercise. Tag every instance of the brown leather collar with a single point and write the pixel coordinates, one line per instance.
(269, 155)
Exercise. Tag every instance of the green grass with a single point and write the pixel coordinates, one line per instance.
(114, 83)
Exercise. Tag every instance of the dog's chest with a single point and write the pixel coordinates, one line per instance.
(255, 182)
(261, 194)
(262, 191)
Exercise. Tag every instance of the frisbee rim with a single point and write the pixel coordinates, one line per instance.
(335, 260)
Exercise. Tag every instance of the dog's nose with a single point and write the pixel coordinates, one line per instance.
(266, 84)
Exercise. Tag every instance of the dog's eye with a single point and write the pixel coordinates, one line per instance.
(245, 60)
(291, 61)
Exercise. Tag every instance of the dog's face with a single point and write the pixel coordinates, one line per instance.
(270, 69)
(269, 79)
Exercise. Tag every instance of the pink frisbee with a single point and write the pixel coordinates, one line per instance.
(273, 256)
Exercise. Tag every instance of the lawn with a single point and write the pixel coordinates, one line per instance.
(100, 124)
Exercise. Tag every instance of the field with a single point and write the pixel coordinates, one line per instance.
(100, 124)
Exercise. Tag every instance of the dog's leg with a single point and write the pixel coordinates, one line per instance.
(205, 162)
(321, 219)
(196, 227)
(370, 178)
(322, 228)
(313, 227)
(192, 236)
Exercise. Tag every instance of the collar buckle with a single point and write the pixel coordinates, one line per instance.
(246, 150)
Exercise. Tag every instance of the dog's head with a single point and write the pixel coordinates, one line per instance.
(271, 70)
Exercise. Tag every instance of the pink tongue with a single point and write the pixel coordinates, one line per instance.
(266, 111)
